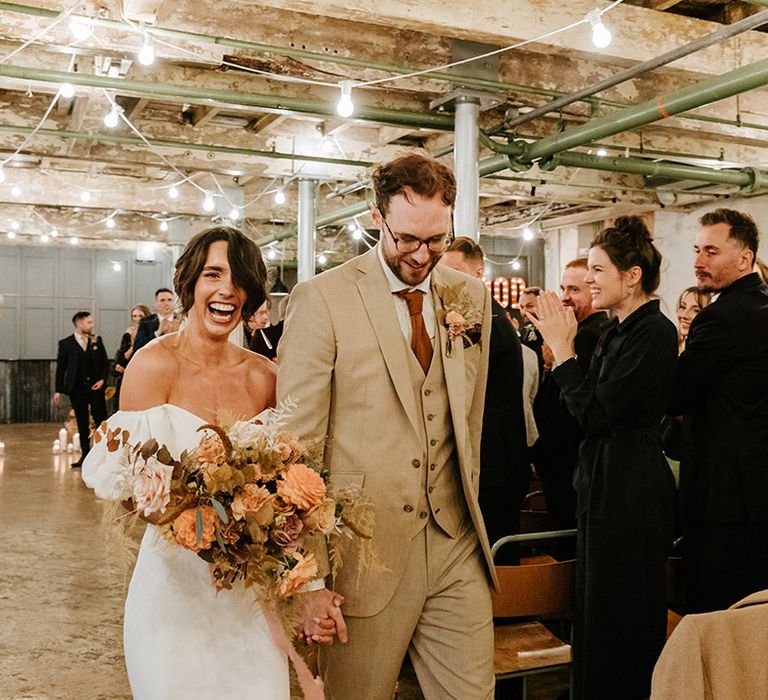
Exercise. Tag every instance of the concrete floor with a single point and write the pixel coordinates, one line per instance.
(61, 604)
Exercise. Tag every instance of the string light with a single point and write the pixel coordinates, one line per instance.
(528, 233)
(16, 191)
(515, 265)
(81, 29)
(112, 118)
(146, 54)
(44, 238)
(54, 233)
(601, 37)
(234, 213)
(116, 266)
(322, 259)
(208, 203)
(357, 234)
(345, 107)
(67, 90)
(110, 222)
(85, 196)
(11, 234)
(173, 192)
(327, 145)
(74, 240)
(271, 254)
(15, 225)
(163, 225)
(279, 197)
(602, 152)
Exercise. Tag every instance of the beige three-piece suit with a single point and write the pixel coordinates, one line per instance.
(413, 443)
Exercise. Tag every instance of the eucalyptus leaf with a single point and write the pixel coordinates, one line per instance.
(198, 527)
(149, 448)
(220, 540)
(220, 510)
(164, 456)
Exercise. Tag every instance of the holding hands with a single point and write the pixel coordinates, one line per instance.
(321, 617)
(556, 324)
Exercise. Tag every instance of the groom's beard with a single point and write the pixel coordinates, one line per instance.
(408, 274)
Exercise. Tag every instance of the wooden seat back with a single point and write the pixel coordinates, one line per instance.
(539, 589)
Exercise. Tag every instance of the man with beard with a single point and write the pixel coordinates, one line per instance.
(386, 357)
(556, 451)
(721, 388)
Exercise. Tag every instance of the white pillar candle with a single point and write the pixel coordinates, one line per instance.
(56, 447)
(2, 449)
(63, 437)
(70, 448)
(76, 442)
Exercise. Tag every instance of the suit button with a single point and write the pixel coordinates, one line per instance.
(432, 467)
(433, 442)
(408, 508)
(423, 514)
(431, 416)
(430, 489)
(427, 392)
(415, 463)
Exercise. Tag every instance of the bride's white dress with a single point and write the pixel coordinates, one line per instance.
(182, 639)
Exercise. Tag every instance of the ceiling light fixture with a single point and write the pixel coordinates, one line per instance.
(110, 222)
(112, 118)
(271, 254)
(116, 266)
(173, 192)
(528, 234)
(16, 191)
(74, 240)
(602, 152)
(515, 265)
(234, 213)
(15, 225)
(54, 233)
(208, 203)
(11, 234)
(163, 225)
(85, 196)
(44, 238)
(601, 36)
(279, 197)
(67, 90)
(345, 107)
(322, 259)
(146, 54)
(80, 28)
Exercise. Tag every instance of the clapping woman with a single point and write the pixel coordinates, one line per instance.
(125, 351)
(624, 486)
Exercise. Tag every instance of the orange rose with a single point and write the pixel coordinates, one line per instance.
(184, 528)
(251, 499)
(300, 575)
(301, 486)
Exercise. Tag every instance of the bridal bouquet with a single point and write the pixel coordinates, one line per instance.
(246, 499)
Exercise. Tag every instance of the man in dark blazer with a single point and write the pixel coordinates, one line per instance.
(557, 448)
(159, 323)
(82, 366)
(505, 463)
(721, 389)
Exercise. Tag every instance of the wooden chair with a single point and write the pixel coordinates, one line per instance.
(539, 587)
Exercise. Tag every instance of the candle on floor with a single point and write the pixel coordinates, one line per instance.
(2, 449)
(70, 448)
(56, 447)
(76, 442)
(63, 437)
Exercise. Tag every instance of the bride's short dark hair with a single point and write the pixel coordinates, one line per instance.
(248, 270)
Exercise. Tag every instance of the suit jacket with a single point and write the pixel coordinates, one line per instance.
(504, 455)
(717, 655)
(342, 357)
(69, 361)
(146, 331)
(721, 387)
(273, 335)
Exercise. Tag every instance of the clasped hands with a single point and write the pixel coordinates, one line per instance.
(321, 618)
(556, 324)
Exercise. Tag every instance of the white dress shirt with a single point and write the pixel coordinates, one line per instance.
(82, 341)
(401, 306)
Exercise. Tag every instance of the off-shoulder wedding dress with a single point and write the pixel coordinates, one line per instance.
(182, 639)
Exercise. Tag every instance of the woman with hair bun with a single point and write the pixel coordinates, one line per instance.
(624, 486)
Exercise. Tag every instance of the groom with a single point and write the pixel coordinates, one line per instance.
(367, 355)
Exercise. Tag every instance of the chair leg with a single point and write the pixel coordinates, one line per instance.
(525, 687)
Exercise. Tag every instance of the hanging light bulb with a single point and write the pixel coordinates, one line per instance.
(173, 192)
(279, 197)
(11, 234)
(345, 107)
(146, 54)
(234, 213)
(116, 266)
(322, 259)
(110, 222)
(44, 238)
(327, 145)
(357, 234)
(15, 225)
(74, 240)
(85, 196)
(54, 233)
(112, 117)
(208, 203)
(271, 254)
(80, 28)
(515, 265)
(601, 37)
(528, 233)
(16, 191)
(67, 90)
(2, 174)
(602, 152)
(163, 225)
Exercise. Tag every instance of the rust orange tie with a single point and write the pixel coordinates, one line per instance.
(420, 342)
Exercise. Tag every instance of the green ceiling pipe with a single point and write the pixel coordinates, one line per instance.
(186, 145)
(333, 217)
(273, 103)
(480, 83)
(701, 93)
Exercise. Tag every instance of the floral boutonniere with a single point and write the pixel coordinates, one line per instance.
(460, 316)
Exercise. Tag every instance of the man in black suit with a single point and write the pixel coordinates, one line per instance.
(557, 449)
(505, 464)
(159, 323)
(721, 389)
(82, 366)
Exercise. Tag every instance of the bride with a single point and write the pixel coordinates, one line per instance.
(182, 640)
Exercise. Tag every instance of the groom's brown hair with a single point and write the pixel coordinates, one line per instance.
(424, 176)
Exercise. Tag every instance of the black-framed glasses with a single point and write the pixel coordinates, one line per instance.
(410, 244)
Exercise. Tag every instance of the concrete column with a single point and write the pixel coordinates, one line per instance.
(465, 151)
(306, 227)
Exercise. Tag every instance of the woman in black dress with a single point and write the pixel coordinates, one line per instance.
(125, 351)
(624, 486)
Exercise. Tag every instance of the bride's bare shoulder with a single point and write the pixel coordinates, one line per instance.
(149, 376)
(260, 371)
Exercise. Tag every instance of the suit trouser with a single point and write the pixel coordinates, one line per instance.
(440, 613)
(81, 399)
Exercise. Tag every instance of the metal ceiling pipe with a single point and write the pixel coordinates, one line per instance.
(465, 154)
(751, 22)
(697, 95)
(749, 178)
(333, 217)
(270, 103)
(306, 229)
